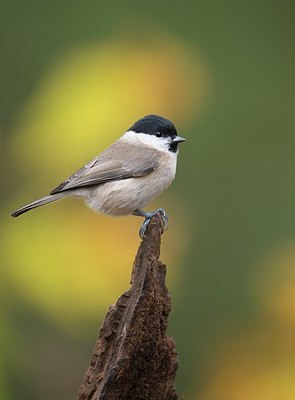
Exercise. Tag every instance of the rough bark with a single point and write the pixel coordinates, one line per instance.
(133, 358)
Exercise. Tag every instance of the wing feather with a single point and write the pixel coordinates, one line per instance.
(115, 163)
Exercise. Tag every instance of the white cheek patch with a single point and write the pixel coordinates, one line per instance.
(149, 140)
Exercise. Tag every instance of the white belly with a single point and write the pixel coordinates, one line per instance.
(125, 196)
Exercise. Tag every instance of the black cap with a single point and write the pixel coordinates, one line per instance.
(153, 125)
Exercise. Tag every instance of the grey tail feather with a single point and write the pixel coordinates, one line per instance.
(40, 202)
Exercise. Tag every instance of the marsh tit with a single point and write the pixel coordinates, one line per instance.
(126, 176)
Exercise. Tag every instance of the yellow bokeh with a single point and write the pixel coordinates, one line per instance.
(258, 360)
(94, 94)
(258, 364)
(275, 285)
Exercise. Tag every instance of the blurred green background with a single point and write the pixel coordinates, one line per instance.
(74, 76)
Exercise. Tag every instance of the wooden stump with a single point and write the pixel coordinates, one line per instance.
(133, 358)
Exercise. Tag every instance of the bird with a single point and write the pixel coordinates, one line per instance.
(127, 175)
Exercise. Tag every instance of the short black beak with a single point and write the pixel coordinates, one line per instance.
(178, 139)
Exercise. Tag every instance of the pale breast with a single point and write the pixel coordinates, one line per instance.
(127, 195)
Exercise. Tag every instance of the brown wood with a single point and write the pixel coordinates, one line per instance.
(133, 358)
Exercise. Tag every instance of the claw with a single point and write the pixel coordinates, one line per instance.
(149, 217)
(143, 227)
(164, 217)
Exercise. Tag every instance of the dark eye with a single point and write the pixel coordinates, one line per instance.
(158, 134)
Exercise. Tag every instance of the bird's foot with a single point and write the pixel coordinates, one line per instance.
(148, 217)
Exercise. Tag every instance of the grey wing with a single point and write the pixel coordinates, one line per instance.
(117, 162)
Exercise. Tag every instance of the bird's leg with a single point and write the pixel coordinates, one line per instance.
(148, 217)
